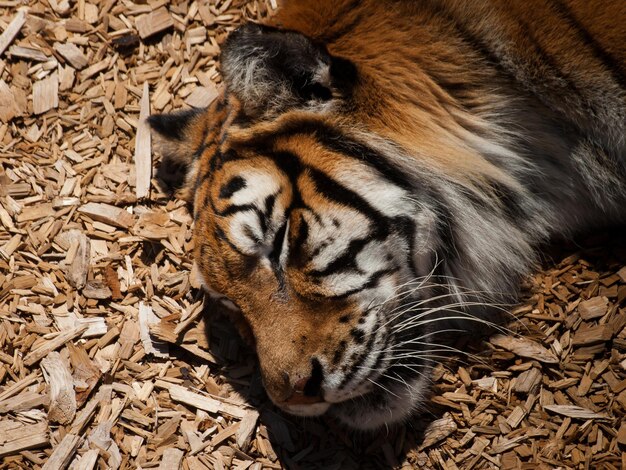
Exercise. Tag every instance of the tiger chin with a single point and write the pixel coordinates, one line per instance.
(377, 176)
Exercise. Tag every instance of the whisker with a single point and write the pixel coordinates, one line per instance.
(384, 388)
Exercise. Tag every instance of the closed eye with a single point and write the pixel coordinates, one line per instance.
(278, 246)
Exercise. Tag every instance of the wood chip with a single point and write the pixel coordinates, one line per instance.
(200, 402)
(621, 434)
(87, 461)
(201, 96)
(72, 54)
(16, 437)
(46, 94)
(28, 53)
(575, 412)
(172, 459)
(143, 150)
(595, 307)
(150, 346)
(524, 347)
(12, 30)
(528, 381)
(63, 453)
(78, 266)
(62, 407)
(53, 344)
(108, 214)
(438, 430)
(9, 108)
(246, 429)
(154, 22)
(593, 335)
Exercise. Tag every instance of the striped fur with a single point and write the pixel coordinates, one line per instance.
(379, 174)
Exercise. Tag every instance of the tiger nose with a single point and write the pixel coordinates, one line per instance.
(308, 390)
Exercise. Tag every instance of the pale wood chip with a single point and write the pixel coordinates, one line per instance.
(62, 453)
(57, 373)
(9, 107)
(87, 461)
(150, 346)
(11, 31)
(573, 411)
(27, 401)
(246, 429)
(46, 94)
(108, 214)
(16, 437)
(72, 54)
(595, 307)
(28, 53)
(77, 267)
(524, 347)
(201, 96)
(201, 402)
(53, 344)
(143, 151)
(154, 22)
(172, 459)
(438, 430)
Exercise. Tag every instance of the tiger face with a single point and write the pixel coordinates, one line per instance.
(312, 244)
(358, 202)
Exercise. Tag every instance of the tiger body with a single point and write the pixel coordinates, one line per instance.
(375, 169)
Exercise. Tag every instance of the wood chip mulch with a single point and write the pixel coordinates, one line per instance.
(108, 356)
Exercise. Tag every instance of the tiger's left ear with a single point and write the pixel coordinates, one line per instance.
(180, 134)
(270, 70)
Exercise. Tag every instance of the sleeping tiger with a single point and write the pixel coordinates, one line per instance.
(377, 177)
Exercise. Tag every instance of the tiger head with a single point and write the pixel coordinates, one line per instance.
(315, 215)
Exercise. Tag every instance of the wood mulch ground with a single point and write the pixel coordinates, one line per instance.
(108, 357)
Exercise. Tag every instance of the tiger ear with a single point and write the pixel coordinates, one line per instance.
(270, 70)
(178, 133)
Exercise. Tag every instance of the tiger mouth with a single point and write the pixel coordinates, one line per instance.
(301, 404)
(370, 411)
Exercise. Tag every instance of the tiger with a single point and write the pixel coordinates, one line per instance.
(378, 177)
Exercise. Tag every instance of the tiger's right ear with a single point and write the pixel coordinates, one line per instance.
(179, 137)
(270, 70)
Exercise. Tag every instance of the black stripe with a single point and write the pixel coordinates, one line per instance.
(359, 360)
(548, 59)
(175, 126)
(406, 228)
(289, 163)
(476, 43)
(341, 349)
(262, 223)
(612, 64)
(510, 202)
(296, 257)
(340, 16)
(277, 244)
(270, 202)
(234, 209)
(346, 261)
(372, 282)
(447, 253)
(337, 192)
(231, 187)
(344, 30)
(221, 236)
